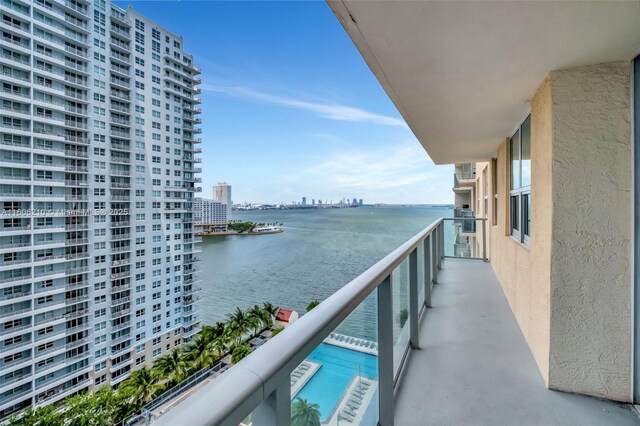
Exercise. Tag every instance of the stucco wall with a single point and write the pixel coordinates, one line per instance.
(483, 174)
(524, 272)
(591, 251)
(570, 289)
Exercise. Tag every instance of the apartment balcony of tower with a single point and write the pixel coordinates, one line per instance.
(540, 325)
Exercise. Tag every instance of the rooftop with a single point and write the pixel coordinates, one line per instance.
(284, 314)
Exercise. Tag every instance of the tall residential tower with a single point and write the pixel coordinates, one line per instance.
(222, 193)
(98, 108)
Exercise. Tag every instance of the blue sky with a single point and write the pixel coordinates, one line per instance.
(290, 108)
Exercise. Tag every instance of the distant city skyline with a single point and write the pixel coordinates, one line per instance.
(296, 111)
(305, 201)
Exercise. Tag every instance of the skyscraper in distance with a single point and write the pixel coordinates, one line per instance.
(222, 193)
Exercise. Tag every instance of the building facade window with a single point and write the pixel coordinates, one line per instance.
(520, 182)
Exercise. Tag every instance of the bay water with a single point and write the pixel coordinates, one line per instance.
(319, 251)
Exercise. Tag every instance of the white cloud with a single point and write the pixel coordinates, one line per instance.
(391, 167)
(329, 111)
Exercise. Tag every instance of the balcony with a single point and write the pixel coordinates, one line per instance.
(474, 366)
(466, 177)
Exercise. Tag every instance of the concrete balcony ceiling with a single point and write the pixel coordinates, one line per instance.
(462, 73)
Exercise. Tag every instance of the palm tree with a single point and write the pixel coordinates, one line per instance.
(256, 318)
(240, 352)
(270, 312)
(199, 352)
(143, 384)
(237, 324)
(304, 413)
(173, 366)
(221, 345)
(219, 329)
(208, 332)
(312, 304)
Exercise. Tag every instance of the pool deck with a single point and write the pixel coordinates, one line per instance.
(297, 383)
(340, 415)
(353, 343)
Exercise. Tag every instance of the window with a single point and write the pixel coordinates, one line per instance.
(485, 193)
(494, 190)
(520, 182)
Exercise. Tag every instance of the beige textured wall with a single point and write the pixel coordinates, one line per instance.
(591, 251)
(523, 271)
(542, 216)
(483, 174)
(570, 290)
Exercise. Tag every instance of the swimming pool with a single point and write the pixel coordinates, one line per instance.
(338, 367)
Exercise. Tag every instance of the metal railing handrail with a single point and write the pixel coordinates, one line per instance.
(235, 394)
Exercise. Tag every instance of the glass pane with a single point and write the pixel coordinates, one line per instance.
(514, 153)
(515, 213)
(461, 239)
(467, 170)
(400, 294)
(420, 275)
(526, 152)
(526, 211)
(338, 381)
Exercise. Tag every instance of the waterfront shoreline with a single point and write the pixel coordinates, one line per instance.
(227, 233)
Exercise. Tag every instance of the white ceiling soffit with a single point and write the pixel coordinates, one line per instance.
(462, 73)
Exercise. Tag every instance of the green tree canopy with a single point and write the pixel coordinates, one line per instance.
(172, 367)
(304, 413)
(143, 384)
(240, 352)
(312, 304)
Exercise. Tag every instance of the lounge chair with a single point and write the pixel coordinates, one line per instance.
(349, 412)
(354, 402)
(356, 397)
(345, 416)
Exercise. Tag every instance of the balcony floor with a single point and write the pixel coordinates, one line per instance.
(475, 368)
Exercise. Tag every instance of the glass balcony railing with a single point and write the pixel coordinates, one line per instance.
(465, 236)
(342, 360)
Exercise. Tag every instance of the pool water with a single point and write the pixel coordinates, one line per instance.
(338, 368)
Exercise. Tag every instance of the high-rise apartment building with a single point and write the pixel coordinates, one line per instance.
(210, 214)
(222, 193)
(98, 108)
